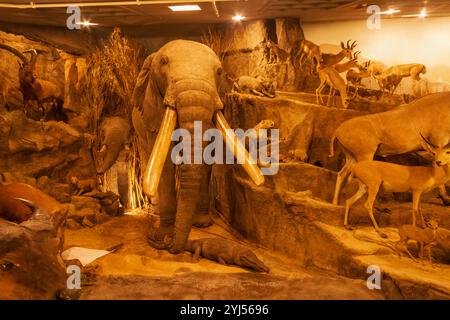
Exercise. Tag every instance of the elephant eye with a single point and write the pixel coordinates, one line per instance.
(5, 266)
(164, 60)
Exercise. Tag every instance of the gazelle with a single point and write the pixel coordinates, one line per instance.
(355, 78)
(306, 51)
(329, 59)
(329, 75)
(371, 175)
(340, 68)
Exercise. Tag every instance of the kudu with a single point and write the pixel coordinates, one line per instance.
(371, 175)
(393, 132)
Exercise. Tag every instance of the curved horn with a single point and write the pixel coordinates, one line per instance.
(15, 52)
(428, 141)
(354, 44)
(348, 44)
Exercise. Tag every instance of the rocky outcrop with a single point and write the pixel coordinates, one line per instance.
(31, 267)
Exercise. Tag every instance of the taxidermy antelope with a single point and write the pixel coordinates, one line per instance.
(371, 175)
(330, 59)
(393, 132)
(306, 51)
(329, 75)
(413, 70)
(355, 78)
(389, 83)
(33, 88)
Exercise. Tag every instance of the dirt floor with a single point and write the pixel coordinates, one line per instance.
(137, 271)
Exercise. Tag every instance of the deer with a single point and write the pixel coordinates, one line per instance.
(372, 175)
(329, 76)
(329, 59)
(33, 88)
(392, 132)
(304, 51)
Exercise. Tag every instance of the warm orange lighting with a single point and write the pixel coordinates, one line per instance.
(390, 11)
(87, 23)
(238, 18)
(423, 13)
(185, 8)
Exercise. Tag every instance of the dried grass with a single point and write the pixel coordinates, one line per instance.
(112, 71)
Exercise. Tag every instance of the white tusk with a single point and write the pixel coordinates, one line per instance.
(238, 149)
(159, 153)
(103, 149)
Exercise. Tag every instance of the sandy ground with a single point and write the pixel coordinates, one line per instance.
(137, 271)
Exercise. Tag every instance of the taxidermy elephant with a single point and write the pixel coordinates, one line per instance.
(179, 84)
(114, 137)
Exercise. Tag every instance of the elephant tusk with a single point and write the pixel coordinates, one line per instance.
(103, 149)
(238, 149)
(159, 153)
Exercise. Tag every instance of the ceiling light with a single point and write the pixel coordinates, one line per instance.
(193, 7)
(238, 17)
(423, 13)
(390, 11)
(87, 23)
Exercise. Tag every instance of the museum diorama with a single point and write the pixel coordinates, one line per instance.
(274, 149)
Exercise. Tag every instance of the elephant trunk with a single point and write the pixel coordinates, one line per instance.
(195, 104)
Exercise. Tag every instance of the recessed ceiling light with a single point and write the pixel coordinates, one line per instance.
(238, 17)
(423, 13)
(193, 7)
(87, 23)
(390, 11)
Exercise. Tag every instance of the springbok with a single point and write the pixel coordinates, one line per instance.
(371, 175)
(329, 75)
(347, 66)
(393, 132)
(329, 59)
(306, 51)
(355, 78)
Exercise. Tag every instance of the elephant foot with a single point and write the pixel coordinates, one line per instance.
(202, 220)
(161, 238)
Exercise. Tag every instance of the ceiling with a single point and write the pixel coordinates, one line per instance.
(157, 14)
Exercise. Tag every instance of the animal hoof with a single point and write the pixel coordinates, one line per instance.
(349, 227)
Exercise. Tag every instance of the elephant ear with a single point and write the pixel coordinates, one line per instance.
(142, 82)
(147, 99)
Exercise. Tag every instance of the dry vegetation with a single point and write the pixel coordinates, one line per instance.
(112, 71)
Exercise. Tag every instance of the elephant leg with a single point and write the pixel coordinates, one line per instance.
(187, 200)
(201, 217)
(163, 236)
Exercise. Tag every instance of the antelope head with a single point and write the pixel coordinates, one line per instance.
(347, 49)
(441, 154)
